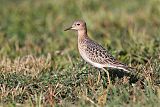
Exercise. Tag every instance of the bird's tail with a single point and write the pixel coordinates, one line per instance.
(126, 68)
(123, 67)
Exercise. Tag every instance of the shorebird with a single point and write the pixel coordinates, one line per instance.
(94, 53)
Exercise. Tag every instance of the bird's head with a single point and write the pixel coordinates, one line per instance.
(77, 25)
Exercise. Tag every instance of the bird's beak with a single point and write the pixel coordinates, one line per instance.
(68, 28)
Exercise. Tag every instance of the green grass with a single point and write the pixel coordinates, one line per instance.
(40, 64)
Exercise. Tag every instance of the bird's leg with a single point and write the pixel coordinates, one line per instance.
(99, 77)
(107, 75)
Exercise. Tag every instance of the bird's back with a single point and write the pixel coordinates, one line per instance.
(96, 55)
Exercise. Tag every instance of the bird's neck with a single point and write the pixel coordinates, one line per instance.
(82, 34)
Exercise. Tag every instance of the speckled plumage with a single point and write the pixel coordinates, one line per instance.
(93, 52)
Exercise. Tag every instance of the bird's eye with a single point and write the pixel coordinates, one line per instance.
(78, 24)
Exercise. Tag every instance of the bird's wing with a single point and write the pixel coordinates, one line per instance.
(98, 54)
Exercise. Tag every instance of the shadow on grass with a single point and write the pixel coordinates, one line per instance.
(114, 73)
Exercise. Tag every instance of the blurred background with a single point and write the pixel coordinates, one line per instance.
(36, 26)
(129, 29)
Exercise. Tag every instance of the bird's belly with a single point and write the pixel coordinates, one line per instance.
(90, 61)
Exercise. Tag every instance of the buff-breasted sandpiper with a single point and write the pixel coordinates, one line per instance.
(93, 52)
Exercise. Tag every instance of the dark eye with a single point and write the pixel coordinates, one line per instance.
(78, 24)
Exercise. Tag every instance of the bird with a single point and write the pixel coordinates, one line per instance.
(94, 53)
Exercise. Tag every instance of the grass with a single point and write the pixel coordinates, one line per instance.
(40, 64)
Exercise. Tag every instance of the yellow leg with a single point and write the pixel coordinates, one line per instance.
(99, 77)
(107, 76)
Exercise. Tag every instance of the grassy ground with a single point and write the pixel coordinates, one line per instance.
(40, 64)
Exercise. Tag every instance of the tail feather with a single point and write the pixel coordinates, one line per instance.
(123, 67)
(126, 68)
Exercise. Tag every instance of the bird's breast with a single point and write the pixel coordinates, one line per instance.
(84, 55)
